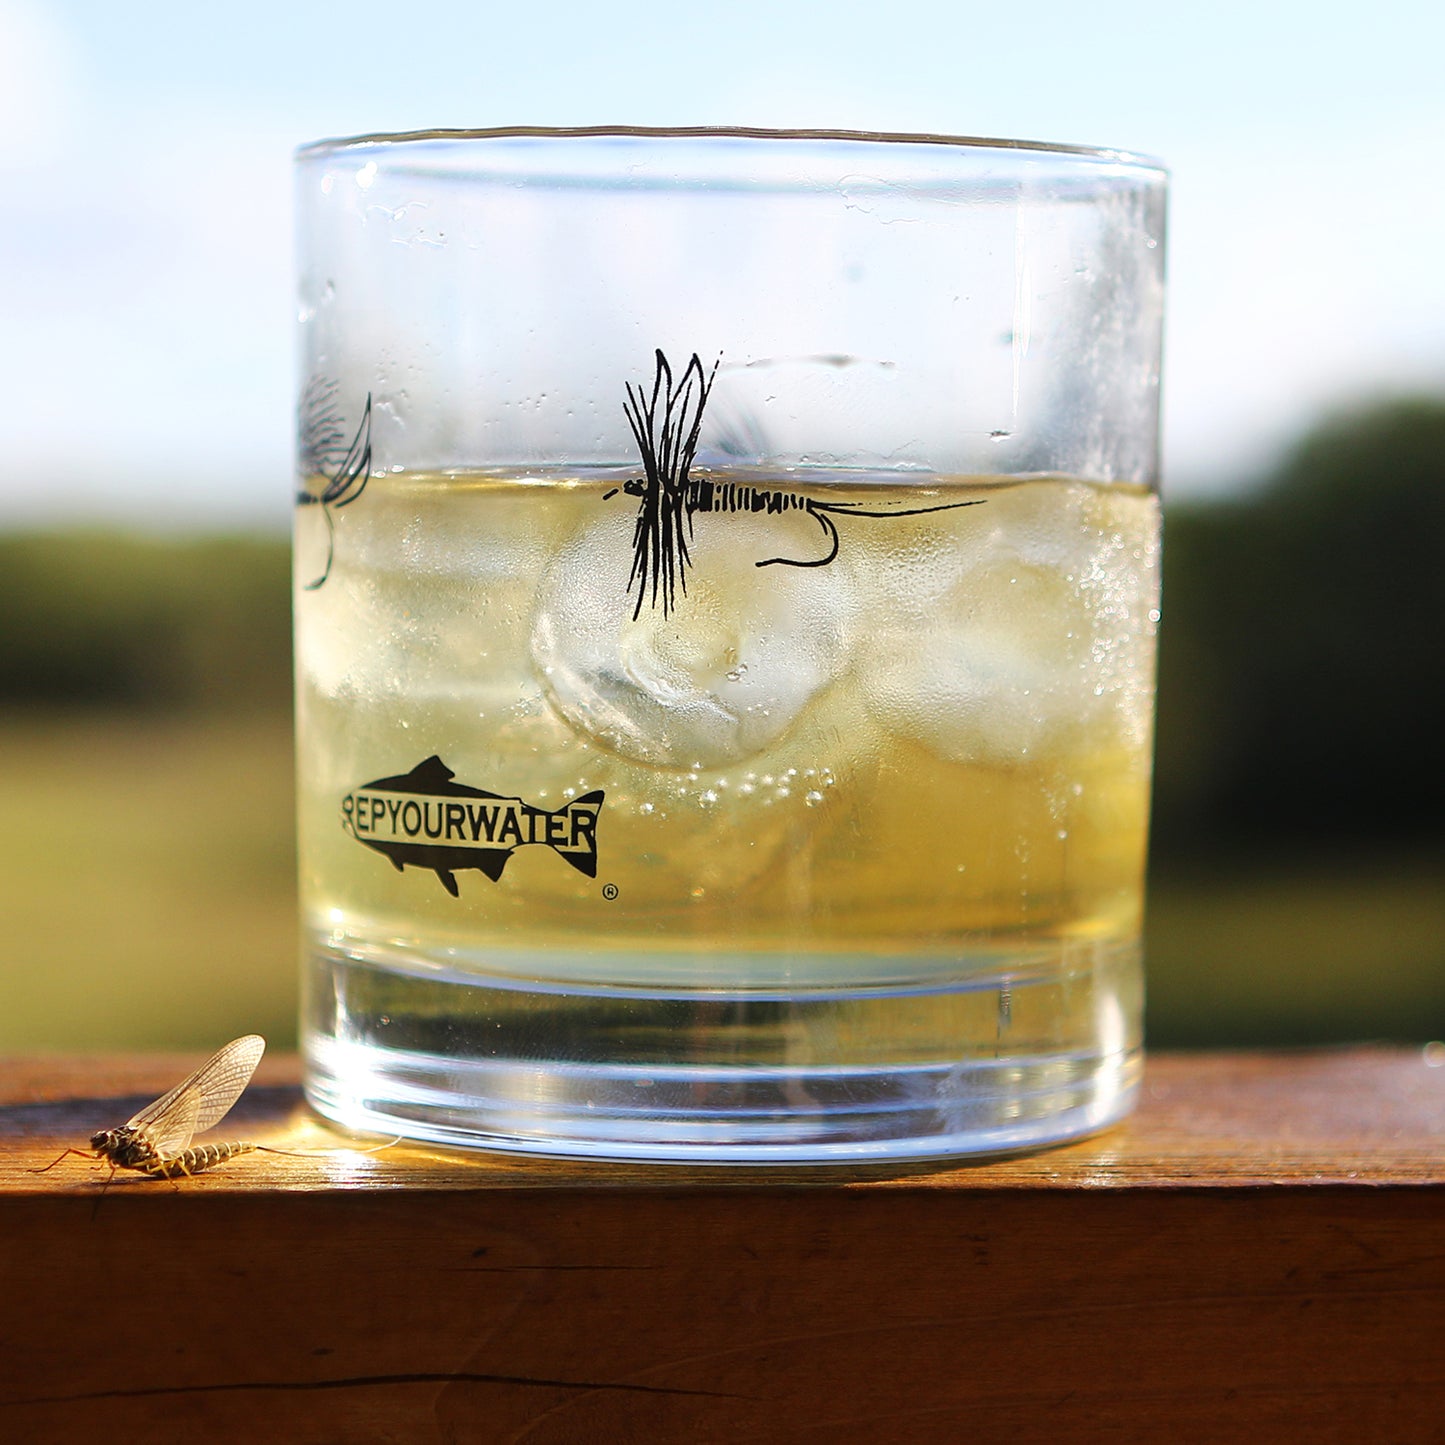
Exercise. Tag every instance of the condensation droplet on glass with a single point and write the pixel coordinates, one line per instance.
(813, 799)
(644, 807)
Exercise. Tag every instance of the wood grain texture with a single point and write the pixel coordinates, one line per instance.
(1260, 1251)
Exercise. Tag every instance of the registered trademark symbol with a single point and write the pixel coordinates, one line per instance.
(609, 891)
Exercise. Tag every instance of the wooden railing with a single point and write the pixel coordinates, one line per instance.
(1259, 1254)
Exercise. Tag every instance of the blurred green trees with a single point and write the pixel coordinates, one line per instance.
(1302, 666)
(107, 620)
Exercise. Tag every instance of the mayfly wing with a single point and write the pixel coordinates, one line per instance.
(201, 1099)
(173, 1131)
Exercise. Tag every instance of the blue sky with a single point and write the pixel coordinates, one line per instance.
(145, 244)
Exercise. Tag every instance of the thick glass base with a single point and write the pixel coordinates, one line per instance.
(711, 1076)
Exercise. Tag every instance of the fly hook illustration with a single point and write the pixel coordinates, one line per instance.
(323, 451)
(666, 428)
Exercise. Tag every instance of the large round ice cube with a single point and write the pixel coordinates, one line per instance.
(727, 673)
(1025, 631)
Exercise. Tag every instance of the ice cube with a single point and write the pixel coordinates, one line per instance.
(731, 669)
(430, 592)
(1027, 634)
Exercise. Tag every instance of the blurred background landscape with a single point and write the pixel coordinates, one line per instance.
(1298, 890)
(147, 896)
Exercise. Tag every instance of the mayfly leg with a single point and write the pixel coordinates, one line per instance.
(64, 1154)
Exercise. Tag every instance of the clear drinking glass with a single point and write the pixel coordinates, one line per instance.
(726, 586)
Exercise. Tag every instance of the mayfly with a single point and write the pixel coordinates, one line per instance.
(157, 1140)
(666, 427)
(323, 451)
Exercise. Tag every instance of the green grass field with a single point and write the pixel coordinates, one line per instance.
(1337, 951)
(148, 883)
(148, 901)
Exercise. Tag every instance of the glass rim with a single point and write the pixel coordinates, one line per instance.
(401, 139)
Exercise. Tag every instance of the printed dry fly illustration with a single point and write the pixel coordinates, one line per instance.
(157, 1140)
(666, 427)
(323, 451)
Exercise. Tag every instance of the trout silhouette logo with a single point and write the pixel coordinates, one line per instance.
(426, 819)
